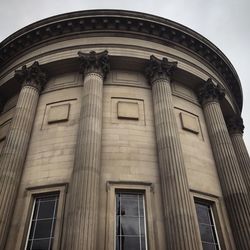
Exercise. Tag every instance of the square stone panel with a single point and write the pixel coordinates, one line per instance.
(58, 113)
(127, 110)
(190, 123)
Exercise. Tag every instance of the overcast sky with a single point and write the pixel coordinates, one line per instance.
(226, 23)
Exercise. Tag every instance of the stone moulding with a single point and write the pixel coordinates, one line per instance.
(122, 22)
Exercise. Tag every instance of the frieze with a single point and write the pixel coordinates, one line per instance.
(124, 22)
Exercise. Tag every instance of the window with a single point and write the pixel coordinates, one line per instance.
(208, 233)
(130, 221)
(42, 225)
(129, 216)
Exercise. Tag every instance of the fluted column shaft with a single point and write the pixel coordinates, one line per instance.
(15, 149)
(236, 129)
(81, 230)
(181, 233)
(232, 184)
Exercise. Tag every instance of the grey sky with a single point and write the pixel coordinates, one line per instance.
(226, 23)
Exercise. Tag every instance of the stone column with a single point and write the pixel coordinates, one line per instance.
(236, 128)
(14, 151)
(82, 217)
(231, 180)
(181, 232)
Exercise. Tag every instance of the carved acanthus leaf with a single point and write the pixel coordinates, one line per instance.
(210, 92)
(32, 76)
(235, 124)
(94, 62)
(159, 69)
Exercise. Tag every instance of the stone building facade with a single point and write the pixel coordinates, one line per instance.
(120, 130)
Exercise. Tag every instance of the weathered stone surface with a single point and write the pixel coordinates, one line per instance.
(14, 151)
(128, 110)
(178, 214)
(232, 184)
(82, 213)
(235, 127)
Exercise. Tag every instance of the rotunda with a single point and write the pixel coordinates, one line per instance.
(120, 130)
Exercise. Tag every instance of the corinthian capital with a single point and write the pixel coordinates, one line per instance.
(94, 62)
(210, 92)
(235, 124)
(159, 69)
(32, 76)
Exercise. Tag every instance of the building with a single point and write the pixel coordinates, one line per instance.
(120, 130)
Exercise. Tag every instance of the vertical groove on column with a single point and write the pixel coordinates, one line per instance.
(83, 202)
(179, 218)
(13, 155)
(242, 157)
(232, 184)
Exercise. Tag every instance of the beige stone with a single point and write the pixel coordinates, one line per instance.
(128, 110)
(58, 113)
(189, 122)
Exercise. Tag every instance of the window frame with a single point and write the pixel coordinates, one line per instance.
(213, 223)
(31, 193)
(144, 188)
(219, 214)
(135, 193)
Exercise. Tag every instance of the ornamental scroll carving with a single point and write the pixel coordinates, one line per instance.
(32, 76)
(235, 124)
(159, 69)
(94, 63)
(210, 92)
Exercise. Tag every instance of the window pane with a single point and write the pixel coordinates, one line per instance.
(206, 233)
(32, 228)
(209, 246)
(207, 226)
(143, 243)
(42, 224)
(129, 226)
(203, 213)
(46, 209)
(141, 206)
(142, 229)
(130, 222)
(118, 205)
(129, 206)
(128, 243)
(40, 244)
(43, 229)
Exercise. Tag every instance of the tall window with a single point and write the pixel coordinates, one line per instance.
(41, 231)
(207, 227)
(130, 222)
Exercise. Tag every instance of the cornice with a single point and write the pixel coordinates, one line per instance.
(123, 22)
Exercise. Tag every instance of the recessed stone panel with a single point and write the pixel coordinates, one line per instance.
(58, 113)
(189, 122)
(128, 110)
